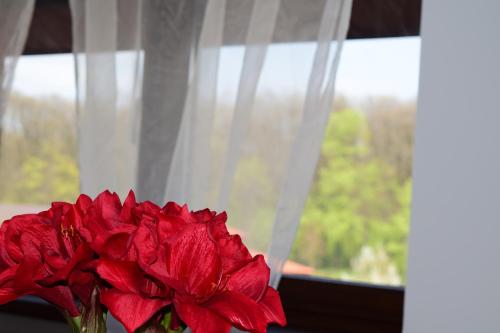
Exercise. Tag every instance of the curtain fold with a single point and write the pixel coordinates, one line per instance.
(108, 62)
(215, 103)
(259, 36)
(169, 36)
(186, 182)
(15, 20)
(306, 147)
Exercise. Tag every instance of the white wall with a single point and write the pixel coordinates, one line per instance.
(454, 255)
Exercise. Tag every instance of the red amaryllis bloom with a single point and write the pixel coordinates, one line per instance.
(85, 230)
(145, 261)
(110, 227)
(61, 241)
(30, 255)
(106, 225)
(134, 296)
(70, 260)
(216, 283)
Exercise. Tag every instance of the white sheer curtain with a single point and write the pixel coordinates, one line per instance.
(15, 19)
(107, 91)
(218, 103)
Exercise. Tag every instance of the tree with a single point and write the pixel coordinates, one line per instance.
(38, 161)
(356, 201)
(392, 125)
(355, 223)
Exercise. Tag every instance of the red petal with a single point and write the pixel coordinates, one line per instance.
(200, 319)
(28, 272)
(7, 275)
(233, 253)
(53, 259)
(82, 254)
(123, 275)
(146, 242)
(11, 251)
(252, 279)
(172, 208)
(109, 207)
(128, 205)
(241, 311)
(194, 259)
(82, 284)
(83, 202)
(115, 243)
(169, 226)
(272, 308)
(148, 208)
(7, 295)
(159, 270)
(7, 292)
(130, 309)
(203, 215)
(59, 296)
(217, 226)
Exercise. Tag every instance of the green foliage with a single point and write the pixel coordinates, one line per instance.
(251, 203)
(356, 201)
(355, 223)
(46, 176)
(38, 162)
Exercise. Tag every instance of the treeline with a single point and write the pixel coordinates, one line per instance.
(38, 155)
(355, 223)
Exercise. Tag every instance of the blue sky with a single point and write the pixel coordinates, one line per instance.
(388, 66)
(373, 67)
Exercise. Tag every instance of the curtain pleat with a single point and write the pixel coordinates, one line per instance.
(307, 144)
(170, 32)
(260, 33)
(108, 68)
(188, 179)
(15, 20)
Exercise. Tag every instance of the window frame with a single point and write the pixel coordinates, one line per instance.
(314, 304)
(50, 30)
(311, 304)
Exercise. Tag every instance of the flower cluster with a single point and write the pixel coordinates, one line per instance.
(150, 266)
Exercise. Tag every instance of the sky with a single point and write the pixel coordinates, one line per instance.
(370, 67)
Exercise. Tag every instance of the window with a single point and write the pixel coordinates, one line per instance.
(39, 166)
(312, 304)
(355, 224)
(356, 221)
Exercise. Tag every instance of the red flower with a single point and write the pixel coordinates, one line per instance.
(134, 296)
(30, 255)
(51, 254)
(216, 282)
(110, 228)
(144, 260)
(69, 261)
(107, 226)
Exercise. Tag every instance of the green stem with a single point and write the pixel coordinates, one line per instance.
(73, 322)
(93, 315)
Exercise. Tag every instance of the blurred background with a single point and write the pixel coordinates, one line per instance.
(356, 220)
